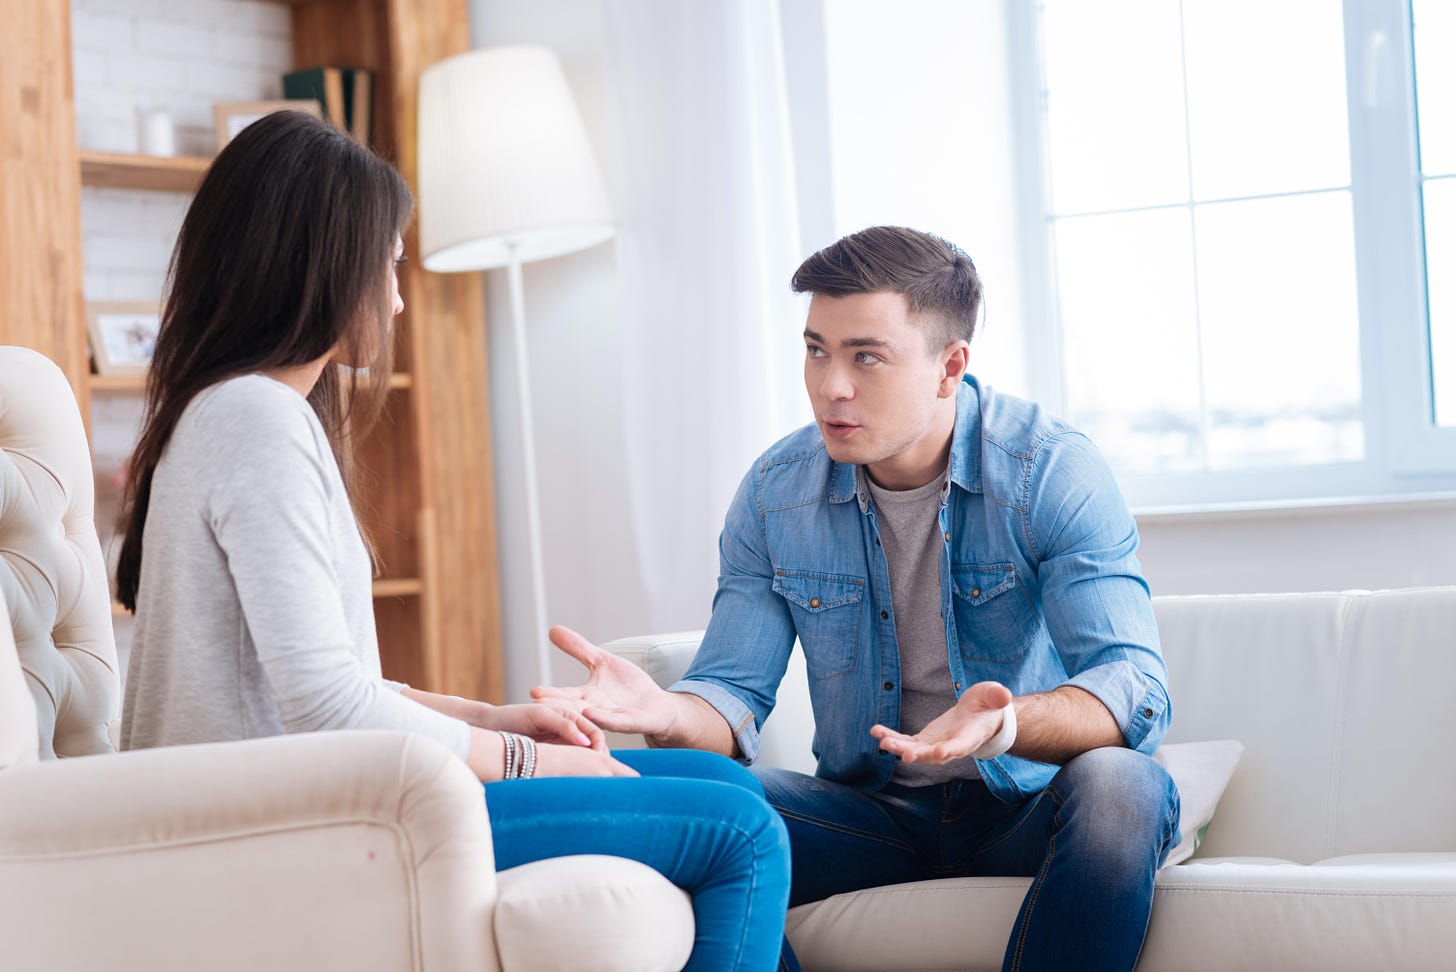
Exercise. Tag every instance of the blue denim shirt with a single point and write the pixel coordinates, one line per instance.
(1040, 587)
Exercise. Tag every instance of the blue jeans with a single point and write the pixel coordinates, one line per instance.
(1091, 841)
(698, 819)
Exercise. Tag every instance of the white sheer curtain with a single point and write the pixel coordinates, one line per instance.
(708, 240)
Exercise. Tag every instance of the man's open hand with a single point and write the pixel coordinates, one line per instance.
(954, 734)
(618, 696)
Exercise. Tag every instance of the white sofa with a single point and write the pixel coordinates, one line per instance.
(366, 851)
(1333, 848)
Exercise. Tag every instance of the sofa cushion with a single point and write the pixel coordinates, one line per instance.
(1201, 771)
(1229, 916)
(1341, 701)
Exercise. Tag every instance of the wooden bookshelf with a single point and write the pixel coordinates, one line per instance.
(429, 502)
(113, 170)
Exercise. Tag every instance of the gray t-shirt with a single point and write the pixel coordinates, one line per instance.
(254, 611)
(910, 536)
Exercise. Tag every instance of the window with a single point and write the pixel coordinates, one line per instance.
(1243, 223)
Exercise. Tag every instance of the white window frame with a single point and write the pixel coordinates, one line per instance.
(1406, 454)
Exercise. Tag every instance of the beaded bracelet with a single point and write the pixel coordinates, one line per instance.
(520, 756)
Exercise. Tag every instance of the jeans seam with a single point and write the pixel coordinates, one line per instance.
(850, 831)
(1031, 898)
(1036, 885)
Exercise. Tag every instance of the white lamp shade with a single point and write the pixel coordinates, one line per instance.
(505, 164)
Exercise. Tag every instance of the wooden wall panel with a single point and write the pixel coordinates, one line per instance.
(40, 191)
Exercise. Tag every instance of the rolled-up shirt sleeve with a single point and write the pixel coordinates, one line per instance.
(1096, 603)
(746, 648)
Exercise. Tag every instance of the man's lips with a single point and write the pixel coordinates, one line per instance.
(838, 429)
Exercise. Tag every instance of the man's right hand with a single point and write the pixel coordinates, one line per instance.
(618, 696)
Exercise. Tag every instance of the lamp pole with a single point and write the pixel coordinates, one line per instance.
(528, 466)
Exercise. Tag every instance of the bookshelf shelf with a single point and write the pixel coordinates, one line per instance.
(136, 384)
(115, 170)
(394, 587)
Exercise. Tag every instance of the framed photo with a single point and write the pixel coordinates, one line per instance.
(231, 117)
(123, 336)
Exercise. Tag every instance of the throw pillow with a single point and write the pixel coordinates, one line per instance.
(1200, 770)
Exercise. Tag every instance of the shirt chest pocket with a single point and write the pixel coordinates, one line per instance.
(826, 610)
(994, 616)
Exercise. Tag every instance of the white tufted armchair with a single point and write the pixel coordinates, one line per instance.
(359, 850)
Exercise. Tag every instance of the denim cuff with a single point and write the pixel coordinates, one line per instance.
(738, 716)
(1136, 700)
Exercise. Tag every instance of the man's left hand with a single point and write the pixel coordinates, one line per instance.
(954, 734)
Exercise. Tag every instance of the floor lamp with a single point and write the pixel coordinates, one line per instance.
(507, 176)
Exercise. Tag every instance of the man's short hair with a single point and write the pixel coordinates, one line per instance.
(936, 278)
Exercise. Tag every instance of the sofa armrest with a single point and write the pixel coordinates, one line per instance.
(358, 850)
(663, 656)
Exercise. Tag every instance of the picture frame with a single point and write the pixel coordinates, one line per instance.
(231, 117)
(123, 335)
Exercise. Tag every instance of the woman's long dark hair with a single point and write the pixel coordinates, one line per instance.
(284, 253)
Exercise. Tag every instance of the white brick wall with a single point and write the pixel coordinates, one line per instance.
(129, 56)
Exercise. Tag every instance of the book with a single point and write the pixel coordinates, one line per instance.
(361, 104)
(323, 84)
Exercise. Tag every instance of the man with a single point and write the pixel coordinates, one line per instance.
(959, 568)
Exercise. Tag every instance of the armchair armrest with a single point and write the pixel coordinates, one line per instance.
(358, 850)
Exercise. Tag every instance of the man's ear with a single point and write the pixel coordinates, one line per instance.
(956, 358)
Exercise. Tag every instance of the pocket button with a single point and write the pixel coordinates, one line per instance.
(813, 602)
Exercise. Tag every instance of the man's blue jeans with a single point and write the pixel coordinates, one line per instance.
(1091, 842)
(698, 819)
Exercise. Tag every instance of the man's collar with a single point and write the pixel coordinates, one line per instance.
(965, 441)
(965, 450)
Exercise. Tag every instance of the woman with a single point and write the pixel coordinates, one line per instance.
(249, 578)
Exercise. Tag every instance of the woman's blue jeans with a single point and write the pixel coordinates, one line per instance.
(698, 819)
(1091, 842)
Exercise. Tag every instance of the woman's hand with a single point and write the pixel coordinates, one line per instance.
(553, 760)
(544, 723)
(487, 759)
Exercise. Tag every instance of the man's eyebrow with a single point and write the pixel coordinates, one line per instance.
(848, 342)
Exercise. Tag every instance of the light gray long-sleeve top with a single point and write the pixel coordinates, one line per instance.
(255, 615)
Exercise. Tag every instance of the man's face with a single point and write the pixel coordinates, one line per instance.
(872, 378)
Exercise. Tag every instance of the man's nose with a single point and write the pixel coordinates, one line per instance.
(836, 384)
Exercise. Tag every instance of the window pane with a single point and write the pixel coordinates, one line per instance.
(1114, 104)
(1440, 198)
(1127, 311)
(1435, 34)
(1281, 345)
(1266, 96)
